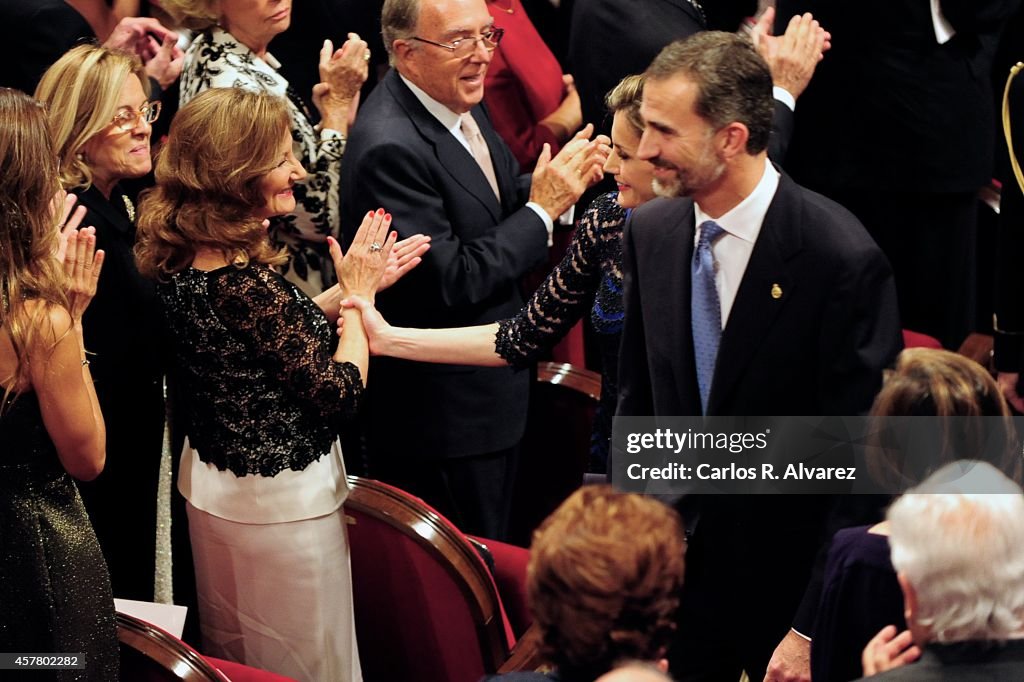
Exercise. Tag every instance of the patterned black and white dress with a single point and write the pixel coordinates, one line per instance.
(217, 60)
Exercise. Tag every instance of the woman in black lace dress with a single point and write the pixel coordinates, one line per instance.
(262, 393)
(54, 588)
(590, 275)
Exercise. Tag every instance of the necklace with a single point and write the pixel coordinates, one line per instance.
(507, 10)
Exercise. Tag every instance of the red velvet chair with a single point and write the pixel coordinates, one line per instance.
(426, 605)
(149, 654)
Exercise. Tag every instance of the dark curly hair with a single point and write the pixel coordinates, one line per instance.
(603, 580)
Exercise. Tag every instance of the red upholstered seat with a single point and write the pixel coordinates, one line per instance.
(426, 606)
(919, 340)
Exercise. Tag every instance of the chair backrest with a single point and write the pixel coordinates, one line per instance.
(426, 606)
(555, 449)
(148, 654)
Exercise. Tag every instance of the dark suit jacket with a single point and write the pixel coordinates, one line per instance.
(964, 662)
(889, 105)
(400, 157)
(33, 35)
(819, 349)
(610, 39)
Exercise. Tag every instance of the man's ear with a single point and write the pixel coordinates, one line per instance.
(733, 139)
(909, 597)
(401, 48)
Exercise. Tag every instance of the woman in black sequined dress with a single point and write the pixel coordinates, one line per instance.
(590, 275)
(262, 392)
(55, 593)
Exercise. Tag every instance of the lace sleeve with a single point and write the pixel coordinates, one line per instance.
(290, 339)
(564, 296)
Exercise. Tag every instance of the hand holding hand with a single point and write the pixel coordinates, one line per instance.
(360, 270)
(374, 324)
(342, 74)
(793, 56)
(560, 181)
(887, 650)
(791, 660)
(82, 265)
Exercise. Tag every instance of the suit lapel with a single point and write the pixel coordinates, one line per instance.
(459, 163)
(765, 289)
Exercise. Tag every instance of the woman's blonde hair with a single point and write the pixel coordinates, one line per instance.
(626, 97)
(197, 15)
(28, 228)
(81, 93)
(221, 145)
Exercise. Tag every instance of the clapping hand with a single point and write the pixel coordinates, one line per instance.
(560, 181)
(362, 268)
(82, 265)
(888, 650)
(69, 221)
(342, 74)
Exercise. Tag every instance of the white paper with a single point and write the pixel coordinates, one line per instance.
(169, 617)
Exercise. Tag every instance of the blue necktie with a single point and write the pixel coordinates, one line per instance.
(705, 309)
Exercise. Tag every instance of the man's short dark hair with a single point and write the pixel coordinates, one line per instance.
(733, 81)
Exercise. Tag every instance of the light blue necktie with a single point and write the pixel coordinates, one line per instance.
(705, 309)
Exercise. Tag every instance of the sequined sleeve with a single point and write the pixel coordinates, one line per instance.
(564, 296)
(285, 332)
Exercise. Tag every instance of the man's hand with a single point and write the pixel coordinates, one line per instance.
(559, 182)
(155, 44)
(791, 661)
(887, 650)
(793, 56)
(166, 64)
(1008, 385)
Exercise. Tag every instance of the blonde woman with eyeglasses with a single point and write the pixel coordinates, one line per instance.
(100, 116)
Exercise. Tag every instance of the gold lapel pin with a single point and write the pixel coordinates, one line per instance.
(776, 291)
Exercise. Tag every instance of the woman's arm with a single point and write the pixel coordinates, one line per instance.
(59, 369)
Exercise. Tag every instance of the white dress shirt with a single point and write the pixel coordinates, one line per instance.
(742, 225)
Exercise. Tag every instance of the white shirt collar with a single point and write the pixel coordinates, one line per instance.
(745, 218)
(448, 118)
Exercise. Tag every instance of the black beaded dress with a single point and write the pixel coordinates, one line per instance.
(590, 275)
(54, 587)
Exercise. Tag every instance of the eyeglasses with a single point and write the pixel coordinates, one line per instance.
(463, 47)
(127, 119)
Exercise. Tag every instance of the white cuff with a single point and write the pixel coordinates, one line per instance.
(784, 96)
(545, 218)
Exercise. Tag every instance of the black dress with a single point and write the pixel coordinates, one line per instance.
(125, 334)
(590, 274)
(54, 589)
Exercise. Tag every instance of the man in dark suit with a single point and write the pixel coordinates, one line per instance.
(957, 546)
(449, 433)
(783, 306)
(898, 127)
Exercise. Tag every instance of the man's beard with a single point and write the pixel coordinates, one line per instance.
(686, 183)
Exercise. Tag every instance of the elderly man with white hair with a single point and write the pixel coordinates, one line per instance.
(958, 549)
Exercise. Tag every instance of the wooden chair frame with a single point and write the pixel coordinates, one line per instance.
(166, 651)
(451, 548)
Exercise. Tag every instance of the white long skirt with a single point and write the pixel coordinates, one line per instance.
(277, 596)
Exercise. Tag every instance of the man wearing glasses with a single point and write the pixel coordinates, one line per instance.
(425, 150)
